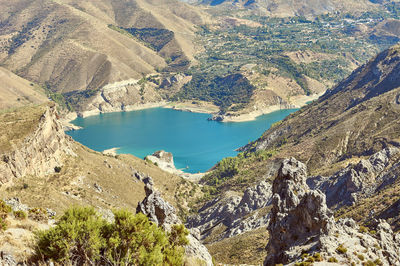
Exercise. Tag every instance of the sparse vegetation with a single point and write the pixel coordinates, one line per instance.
(20, 215)
(341, 249)
(332, 259)
(82, 236)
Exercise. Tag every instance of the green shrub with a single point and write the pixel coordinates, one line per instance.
(76, 237)
(3, 224)
(342, 250)
(360, 257)
(20, 215)
(317, 257)
(4, 209)
(332, 259)
(82, 237)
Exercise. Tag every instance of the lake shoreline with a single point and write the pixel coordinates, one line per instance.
(198, 107)
(196, 143)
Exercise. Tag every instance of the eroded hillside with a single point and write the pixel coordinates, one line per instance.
(349, 140)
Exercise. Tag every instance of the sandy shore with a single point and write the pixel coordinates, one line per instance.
(195, 107)
(198, 107)
(297, 102)
(112, 151)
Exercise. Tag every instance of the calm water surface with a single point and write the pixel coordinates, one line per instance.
(195, 142)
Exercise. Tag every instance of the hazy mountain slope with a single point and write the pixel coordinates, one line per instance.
(71, 46)
(16, 91)
(296, 7)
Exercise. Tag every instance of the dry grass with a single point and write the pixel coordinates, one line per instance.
(16, 124)
(247, 248)
(74, 185)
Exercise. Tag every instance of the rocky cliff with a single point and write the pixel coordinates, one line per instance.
(359, 180)
(302, 228)
(163, 214)
(234, 212)
(39, 153)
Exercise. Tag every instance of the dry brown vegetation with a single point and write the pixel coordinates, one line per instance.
(16, 124)
(70, 46)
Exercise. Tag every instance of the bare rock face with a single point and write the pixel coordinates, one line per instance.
(163, 214)
(237, 213)
(40, 153)
(126, 95)
(297, 213)
(359, 180)
(163, 159)
(157, 209)
(302, 228)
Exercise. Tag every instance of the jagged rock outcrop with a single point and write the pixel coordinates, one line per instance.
(359, 180)
(163, 159)
(302, 228)
(163, 214)
(157, 209)
(238, 213)
(40, 152)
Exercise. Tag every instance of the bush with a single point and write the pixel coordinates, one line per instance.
(342, 250)
(332, 259)
(4, 210)
(76, 237)
(20, 215)
(82, 237)
(38, 214)
(3, 225)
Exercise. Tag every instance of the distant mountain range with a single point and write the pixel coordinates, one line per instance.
(297, 7)
(78, 45)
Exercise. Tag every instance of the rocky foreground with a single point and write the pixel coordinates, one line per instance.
(302, 228)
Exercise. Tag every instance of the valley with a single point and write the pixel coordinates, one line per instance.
(94, 95)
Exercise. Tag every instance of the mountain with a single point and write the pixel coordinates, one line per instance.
(284, 8)
(17, 92)
(353, 119)
(43, 172)
(348, 139)
(74, 45)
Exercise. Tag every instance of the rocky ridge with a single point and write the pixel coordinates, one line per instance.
(40, 153)
(302, 228)
(163, 214)
(237, 213)
(359, 180)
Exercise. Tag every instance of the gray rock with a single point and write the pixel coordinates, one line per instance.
(16, 204)
(7, 259)
(238, 213)
(163, 214)
(98, 188)
(360, 180)
(158, 210)
(301, 222)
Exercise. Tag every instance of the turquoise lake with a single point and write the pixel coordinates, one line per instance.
(194, 142)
